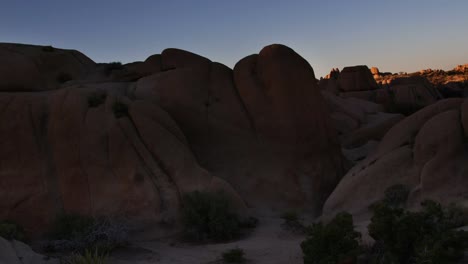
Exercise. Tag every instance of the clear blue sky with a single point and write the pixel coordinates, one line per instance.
(393, 35)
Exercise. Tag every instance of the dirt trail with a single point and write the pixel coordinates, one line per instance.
(268, 244)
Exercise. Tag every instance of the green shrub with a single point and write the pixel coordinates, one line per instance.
(416, 237)
(88, 257)
(11, 231)
(120, 109)
(77, 233)
(63, 77)
(331, 243)
(96, 99)
(209, 216)
(71, 226)
(235, 255)
(396, 195)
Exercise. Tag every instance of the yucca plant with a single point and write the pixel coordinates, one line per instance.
(88, 257)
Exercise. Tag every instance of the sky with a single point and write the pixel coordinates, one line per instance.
(393, 35)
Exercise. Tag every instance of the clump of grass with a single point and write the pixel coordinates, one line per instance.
(120, 109)
(235, 255)
(75, 233)
(88, 257)
(96, 99)
(11, 231)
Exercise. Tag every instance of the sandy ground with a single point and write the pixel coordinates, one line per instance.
(268, 244)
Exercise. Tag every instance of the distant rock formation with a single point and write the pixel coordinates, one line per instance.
(426, 151)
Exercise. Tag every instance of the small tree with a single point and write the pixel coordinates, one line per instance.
(333, 242)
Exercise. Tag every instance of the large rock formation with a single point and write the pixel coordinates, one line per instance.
(36, 68)
(426, 151)
(402, 95)
(262, 125)
(97, 147)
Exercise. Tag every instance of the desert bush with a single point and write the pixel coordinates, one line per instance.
(63, 77)
(396, 195)
(88, 257)
(97, 98)
(333, 242)
(78, 233)
(292, 222)
(120, 109)
(11, 231)
(209, 216)
(235, 255)
(426, 236)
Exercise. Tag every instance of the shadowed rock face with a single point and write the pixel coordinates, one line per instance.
(426, 151)
(40, 68)
(261, 132)
(261, 126)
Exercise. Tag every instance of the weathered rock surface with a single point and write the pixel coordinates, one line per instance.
(425, 151)
(358, 122)
(16, 252)
(402, 95)
(97, 147)
(262, 125)
(356, 78)
(36, 68)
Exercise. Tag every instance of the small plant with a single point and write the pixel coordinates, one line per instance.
(209, 216)
(96, 99)
(292, 222)
(11, 231)
(88, 257)
(396, 195)
(120, 109)
(63, 77)
(71, 226)
(235, 255)
(77, 233)
(334, 242)
(48, 49)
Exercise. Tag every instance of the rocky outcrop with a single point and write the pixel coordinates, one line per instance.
(402, 95)
(356, 78)
(35, 68)
(426, 151)
(255, 117)
(16, 252)
(102, 148)
(359, 122)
